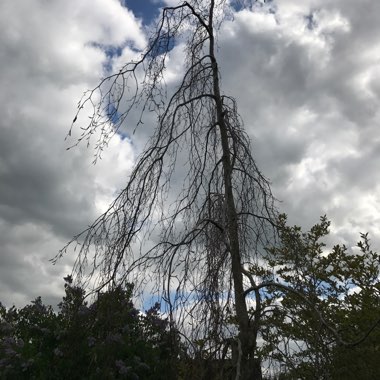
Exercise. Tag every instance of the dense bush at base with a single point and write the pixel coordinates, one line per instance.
(108, 339)
(317, 313)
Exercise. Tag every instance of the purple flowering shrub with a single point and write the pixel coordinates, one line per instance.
(107, 339)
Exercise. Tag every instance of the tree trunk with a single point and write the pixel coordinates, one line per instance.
(203, 241)
(247, 367)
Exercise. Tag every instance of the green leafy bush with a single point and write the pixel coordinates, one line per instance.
(108, 339)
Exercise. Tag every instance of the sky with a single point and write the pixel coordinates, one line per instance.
(306, 76)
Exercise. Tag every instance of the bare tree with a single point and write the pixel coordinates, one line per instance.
(193, 243)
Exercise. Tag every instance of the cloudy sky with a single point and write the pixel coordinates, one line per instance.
(306, 75)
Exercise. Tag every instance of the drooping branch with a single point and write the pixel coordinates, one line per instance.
(195, 205)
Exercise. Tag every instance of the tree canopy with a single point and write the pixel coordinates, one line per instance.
(197, 224)
(105, 339)
(196, 186)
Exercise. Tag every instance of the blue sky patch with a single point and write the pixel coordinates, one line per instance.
(146, 10)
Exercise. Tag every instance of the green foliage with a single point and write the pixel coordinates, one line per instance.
(109, 339)
(27, 341)
(325, 322)
(315, 310)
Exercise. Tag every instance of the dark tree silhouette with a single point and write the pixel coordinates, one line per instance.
(196, 210)
(107, 338)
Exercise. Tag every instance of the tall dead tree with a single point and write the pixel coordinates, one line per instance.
(196, 210)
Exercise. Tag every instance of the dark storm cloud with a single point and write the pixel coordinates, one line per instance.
(35, 181)
(308, 94)
(48, 194)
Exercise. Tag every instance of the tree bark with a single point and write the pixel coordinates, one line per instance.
(247, 368)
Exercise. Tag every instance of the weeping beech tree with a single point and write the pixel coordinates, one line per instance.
(196, 211)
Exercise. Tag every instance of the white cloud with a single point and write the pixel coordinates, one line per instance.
(307, 81)
(48, 194)
(309, 97)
